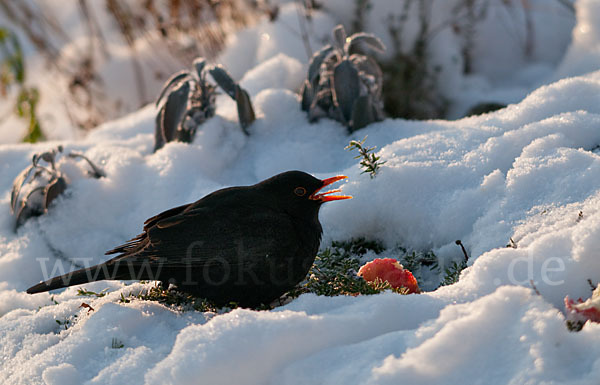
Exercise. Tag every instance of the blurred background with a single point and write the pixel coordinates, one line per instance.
(67, 66)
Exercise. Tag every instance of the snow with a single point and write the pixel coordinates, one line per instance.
(529, 348)
(528, 172)
(268, 39)
(584, 52)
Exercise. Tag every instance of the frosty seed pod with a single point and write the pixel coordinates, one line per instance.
(187, 100)
(38, 185)
(342, 84)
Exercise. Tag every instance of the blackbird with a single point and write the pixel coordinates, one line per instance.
(248, 244)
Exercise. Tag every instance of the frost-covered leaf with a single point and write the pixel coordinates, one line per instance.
(171, 114)
(368, 39)
(30, 206)
(368, 66)
(171, 83)
(335, 81)
(199, 64)
(159, 137)
(96, 172)
(315, 62)
(346, 87)
(307, 96)
(244, 104)
(362, 113)
(17, 185)
(224, 80)
(54, 189)
(190, 100)
(322, 103)
(339, 36)
(48, 157)
(23, 213)
(244, 107)
(324, 99)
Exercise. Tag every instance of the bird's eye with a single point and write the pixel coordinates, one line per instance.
(300, 191)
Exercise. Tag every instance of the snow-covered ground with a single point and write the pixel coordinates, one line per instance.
(530, 172)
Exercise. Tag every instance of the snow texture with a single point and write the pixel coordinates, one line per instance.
(528, 172)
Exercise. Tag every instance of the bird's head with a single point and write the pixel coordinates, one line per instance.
(299, 192)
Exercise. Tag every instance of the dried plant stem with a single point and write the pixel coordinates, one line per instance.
(301, 11)
(123, 18)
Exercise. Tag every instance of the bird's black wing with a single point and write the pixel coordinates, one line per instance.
(234, 234)
(140, 241)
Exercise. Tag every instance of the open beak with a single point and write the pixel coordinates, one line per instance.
(324, 196)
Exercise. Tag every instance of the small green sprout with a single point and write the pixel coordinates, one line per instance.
(370, 162)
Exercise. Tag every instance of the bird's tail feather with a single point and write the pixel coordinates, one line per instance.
(116, 269)
(89, 274)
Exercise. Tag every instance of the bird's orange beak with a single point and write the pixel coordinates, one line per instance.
(325, 197)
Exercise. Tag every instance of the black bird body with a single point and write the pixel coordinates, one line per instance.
(246, 244)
